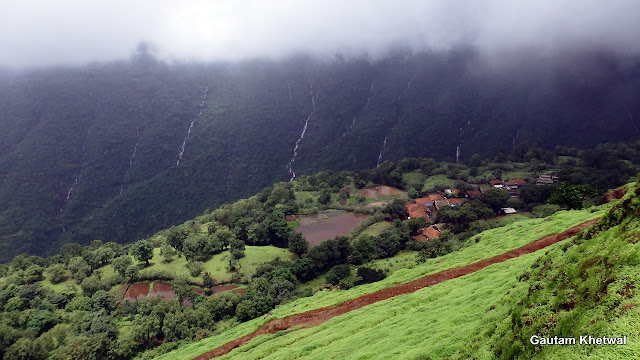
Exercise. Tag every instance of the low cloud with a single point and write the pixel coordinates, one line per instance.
(42, 32)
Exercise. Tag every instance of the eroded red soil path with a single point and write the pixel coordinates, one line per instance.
(319, 316)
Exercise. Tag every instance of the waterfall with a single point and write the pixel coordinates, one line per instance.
(353, 121)
(203, 97)
(304, 130)
(384, 145)
(77, 178)
(133, 155)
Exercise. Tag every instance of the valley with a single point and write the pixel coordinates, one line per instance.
(169, 141)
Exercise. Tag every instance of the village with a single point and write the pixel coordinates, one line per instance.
(427, 207)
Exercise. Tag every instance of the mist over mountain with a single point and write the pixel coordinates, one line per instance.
(116, 151)
(36, 33)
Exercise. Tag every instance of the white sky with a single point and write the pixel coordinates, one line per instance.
(53, 32)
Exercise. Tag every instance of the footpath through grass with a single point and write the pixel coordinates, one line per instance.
(434, 322)
(491, 243)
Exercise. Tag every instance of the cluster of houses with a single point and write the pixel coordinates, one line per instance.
(427, 207)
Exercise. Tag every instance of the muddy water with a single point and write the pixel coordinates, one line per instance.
(137, 291)
(339, 226)
(163, 289)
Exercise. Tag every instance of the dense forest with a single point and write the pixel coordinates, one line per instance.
(117, 151)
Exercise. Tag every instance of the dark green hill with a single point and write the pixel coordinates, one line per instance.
(93, 152)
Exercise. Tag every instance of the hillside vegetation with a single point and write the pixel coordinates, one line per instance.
(584, 285)
(118, 151)
(226, 273)
(435, 322)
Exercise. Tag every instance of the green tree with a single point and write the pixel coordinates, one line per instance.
(195, 247)
(167, 252)
(32, 274)
(56, 273)
(396, 209)
(176, 237)
(182, 288)
(121, 263)
(225, 236)
(495, 198)
(325, 197)
(475, 161)
(79, 268)
(571, 196)
(236, 248)
(297, 243)
(207, 281)
(25, 349)
(277, 229)
(142, 250)
(338, 273)
(195, 268)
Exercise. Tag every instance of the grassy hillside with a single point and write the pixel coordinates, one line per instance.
(433, 322)
(217, 265)
(585, 287)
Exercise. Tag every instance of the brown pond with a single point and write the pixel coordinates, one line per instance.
(137, 291)
(163, 289)
(376, 191)
(339, 226)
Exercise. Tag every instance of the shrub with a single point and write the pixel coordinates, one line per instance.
(369, 275)
(56, 273)
(195, 268)
(338, 273)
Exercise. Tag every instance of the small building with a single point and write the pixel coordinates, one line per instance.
(474, 193)
(439, 204)
(546, 179)
(456, 201)
(516, 182)
(452, 192)
(417, 210)
(424, 201)
(508, 210)
(435, 197)
(427, 233)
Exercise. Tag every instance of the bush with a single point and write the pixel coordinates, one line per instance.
(337, 273)
(195, 268)
(56, 273)
(369, 275)
(545, 210)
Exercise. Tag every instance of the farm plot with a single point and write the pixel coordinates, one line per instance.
(318, 232)
(382, 193)
(304, 220)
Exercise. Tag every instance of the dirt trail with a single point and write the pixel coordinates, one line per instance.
(319, 316)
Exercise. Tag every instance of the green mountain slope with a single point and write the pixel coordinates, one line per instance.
(119, 151)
